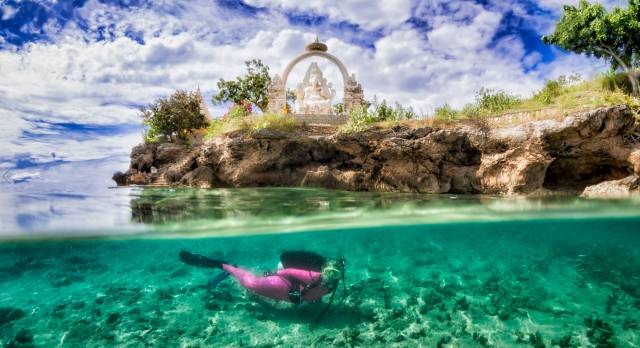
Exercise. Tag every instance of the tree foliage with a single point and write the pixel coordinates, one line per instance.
(612, 35)
(174, 117)
(254, 86)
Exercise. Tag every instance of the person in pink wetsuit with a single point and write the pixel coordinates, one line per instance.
(305, 276)
(288, 284)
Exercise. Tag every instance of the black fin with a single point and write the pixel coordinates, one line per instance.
(302, 260)
(217, 279)
(199, 260)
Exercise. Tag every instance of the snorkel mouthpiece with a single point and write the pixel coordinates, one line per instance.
(331, 272)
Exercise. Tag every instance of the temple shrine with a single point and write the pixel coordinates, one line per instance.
(314, 95)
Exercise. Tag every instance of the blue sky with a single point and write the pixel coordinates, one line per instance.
(74, 73)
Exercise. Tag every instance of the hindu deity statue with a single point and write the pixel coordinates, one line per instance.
(314, 95)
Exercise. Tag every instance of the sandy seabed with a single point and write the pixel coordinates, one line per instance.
(569, 283)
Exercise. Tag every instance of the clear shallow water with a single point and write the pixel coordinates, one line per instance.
(423, 270)
(568, 282)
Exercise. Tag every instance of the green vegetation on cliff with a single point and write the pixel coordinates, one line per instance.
(557, 98)
(251, 123)
(362, 117)
(173, 118)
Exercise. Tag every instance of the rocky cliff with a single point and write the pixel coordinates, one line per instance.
(570, 155)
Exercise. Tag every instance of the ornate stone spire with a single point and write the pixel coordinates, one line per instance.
(316, 46)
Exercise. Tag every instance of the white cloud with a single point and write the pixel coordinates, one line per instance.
(7, 12)
(368, 14)
(78, 78)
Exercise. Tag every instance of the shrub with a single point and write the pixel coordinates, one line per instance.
(359, 120)
(446, 113)
(616, 82)
(549, 92)
(173, 118)
(492, 101)
(241, 109)
(363, 116)
(381, 111)
(401, 113)
(384, 112)
(554, 88)
(487, 102)
(470, 110)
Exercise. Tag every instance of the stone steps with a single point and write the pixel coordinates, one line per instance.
(158, 182)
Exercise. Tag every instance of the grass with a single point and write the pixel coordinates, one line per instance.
(251, 123)
(555, 100)
(496, 108)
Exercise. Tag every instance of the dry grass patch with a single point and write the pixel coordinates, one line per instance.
(249, 123)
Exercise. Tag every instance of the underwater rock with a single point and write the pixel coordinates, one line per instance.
(461, 304)
(599, 332)
(481, 339)
(62, 279)
(23, 339)
(536, 340)
(444, 340)
(630, 323)
(583, 149)
(113, 319)
(564, 342)
(25, 265)
(9, 314)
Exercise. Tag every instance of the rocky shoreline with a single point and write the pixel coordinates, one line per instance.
(586, 153)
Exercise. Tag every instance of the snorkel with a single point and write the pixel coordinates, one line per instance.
(331, 272)
(334, 272)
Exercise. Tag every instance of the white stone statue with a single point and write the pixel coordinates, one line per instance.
(314, 95)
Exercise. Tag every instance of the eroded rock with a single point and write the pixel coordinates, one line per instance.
(623, 188)
(579, 151)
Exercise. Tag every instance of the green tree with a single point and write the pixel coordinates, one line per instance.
(613, 35)
(174, 117)
(254, 86)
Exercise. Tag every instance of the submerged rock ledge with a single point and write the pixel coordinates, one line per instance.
(570, 155)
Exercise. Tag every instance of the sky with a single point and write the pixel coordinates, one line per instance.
(74, 73)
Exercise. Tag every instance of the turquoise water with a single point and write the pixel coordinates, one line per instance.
(446, 271)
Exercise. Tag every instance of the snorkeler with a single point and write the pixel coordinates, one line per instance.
(305, 276)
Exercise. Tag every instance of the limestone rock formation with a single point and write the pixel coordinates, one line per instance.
(622, 188)
(582, 150)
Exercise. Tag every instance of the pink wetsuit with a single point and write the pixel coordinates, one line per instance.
(278, 285)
